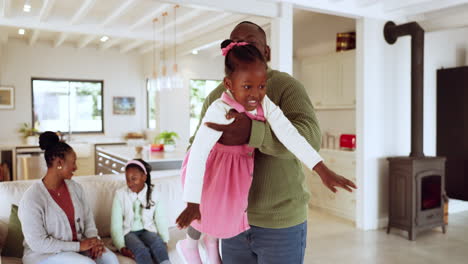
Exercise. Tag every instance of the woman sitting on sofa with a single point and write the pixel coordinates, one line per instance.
(57, 222)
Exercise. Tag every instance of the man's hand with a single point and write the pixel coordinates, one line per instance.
(127, 252)
(332, 180)
(236, 133)
(190, 213)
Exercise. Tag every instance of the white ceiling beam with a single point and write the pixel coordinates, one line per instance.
(110, 43)
(207, 39)
(182, 19)
(45, 10)
(146, 49)
(351, 9)
(203, 23)
(131, 46)
(83, 11)
(81, 29)
(61, 38)
(85, 41)
(249, 7)
(150, 16)
(120, 11)
(34, 37)
(6, 8)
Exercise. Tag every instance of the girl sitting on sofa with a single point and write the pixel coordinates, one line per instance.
(57, 222)
(138, 225)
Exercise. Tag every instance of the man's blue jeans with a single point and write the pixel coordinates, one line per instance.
(146, 246)
(260, 245)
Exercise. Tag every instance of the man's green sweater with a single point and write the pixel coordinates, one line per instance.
(278, 197)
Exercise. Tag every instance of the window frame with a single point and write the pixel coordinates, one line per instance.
(70, 80)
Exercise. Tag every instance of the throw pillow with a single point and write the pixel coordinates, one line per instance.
(14, 241)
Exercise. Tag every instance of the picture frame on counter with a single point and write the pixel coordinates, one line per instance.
(7, 97)
(123, 105)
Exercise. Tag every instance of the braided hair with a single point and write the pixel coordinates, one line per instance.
(149, 201)
(54, 148)
(238, 55)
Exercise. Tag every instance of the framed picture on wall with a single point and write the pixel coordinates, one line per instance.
(123, 105)
(7, 97)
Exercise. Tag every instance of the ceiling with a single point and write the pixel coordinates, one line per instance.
(199, 24)
(127, 23)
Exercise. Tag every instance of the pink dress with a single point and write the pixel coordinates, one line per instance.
(226, 185)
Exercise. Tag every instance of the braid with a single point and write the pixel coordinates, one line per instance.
(149, 201)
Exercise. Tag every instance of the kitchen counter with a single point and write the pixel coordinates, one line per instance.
(128, 153)
(112, 159)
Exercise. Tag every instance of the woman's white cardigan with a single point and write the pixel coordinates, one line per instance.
(45, 225)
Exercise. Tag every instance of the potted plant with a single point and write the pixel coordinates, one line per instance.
(167, 138)
(29, 134)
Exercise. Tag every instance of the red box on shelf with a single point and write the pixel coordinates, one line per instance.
(348, 141)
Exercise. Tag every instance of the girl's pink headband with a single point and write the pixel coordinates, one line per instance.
(139, 164)
(231, 45)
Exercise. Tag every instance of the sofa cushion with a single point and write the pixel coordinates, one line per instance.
(14, 240)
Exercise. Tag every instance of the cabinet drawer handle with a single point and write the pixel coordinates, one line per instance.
(122, 169)
(114, 165)
(100, 158)
(100, 174)
(107, 162)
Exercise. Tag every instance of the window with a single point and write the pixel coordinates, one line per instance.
(64, 105)
(151, 105)
(199, 90)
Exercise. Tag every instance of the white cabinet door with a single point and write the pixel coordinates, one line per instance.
(342, 203)
(330, 80)
(331, 83)
(313, 80)
(346, 92)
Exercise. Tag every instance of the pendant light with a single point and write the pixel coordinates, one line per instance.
(176, 78)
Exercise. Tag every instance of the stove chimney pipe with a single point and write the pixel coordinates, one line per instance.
(391, 33)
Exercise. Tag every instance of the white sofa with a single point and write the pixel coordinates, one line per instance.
(100, 192)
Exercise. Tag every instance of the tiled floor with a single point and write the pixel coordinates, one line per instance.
(333, 240)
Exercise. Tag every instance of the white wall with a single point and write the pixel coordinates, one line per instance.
(315, 33)
(122, 75)
(383, 113)
(175, 105)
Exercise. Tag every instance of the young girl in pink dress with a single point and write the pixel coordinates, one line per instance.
(217, 177)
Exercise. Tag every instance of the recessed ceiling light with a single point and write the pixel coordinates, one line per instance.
(194, 52)
(104, 38)
(21, 31)
(27, 8)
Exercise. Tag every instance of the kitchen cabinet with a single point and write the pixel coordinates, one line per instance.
(330, 80)
(342, 203)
